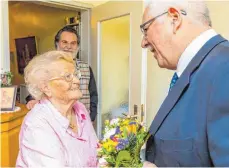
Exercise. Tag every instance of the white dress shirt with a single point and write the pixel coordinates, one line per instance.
(192, 50)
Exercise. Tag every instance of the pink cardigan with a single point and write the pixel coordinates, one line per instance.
(45, 139)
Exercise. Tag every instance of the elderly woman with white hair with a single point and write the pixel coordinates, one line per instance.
(58, 131)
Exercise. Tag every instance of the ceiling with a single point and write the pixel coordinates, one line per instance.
(93, 2)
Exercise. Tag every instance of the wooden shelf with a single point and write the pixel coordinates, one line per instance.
(7, 117)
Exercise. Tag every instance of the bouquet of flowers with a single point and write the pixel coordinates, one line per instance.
(122, 142)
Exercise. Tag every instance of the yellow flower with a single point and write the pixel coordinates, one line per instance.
(126, 122)
(132, 128)
(121, 129)
(110, 145)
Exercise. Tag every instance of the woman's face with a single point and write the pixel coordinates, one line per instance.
(64, 86)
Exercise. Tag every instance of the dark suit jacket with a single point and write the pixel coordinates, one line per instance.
(192, 126)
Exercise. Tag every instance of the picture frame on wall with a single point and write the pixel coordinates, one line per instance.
(26, 49)
(8, 98)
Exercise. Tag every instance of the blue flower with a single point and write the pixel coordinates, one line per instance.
(117, 130)
(120, 147)
(122, 144)
(123, 141)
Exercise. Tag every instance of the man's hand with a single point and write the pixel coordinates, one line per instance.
(148, 164)
(31, 104)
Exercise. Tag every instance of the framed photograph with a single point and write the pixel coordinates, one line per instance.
(26, 49)
(8, 98)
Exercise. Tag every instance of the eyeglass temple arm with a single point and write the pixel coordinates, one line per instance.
(183, 12)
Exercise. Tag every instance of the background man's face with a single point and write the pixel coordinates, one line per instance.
(68, 43)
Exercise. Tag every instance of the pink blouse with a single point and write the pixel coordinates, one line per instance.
(46, 140)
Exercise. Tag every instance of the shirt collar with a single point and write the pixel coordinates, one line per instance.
(192, 50)
(79, 112)
(81, 120)
(63, 121)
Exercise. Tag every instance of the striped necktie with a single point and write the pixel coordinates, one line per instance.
(173, 81)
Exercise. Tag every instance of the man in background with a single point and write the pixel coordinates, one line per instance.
(67, 39)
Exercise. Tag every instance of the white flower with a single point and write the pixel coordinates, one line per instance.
(109, 133)
(114, 121)
(106, 129)
(102, 160)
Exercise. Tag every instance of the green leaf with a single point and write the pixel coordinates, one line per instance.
(110, 160)
(122, 156)
(125, 132)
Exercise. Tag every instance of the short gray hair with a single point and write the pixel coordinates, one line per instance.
(38, 70)
(197, 10)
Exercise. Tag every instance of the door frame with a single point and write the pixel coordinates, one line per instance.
(99, 76)
(4, 37)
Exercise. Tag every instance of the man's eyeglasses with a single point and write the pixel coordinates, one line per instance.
(149, 22)
(68, 77)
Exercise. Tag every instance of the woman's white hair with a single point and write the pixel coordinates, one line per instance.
(39, 70)
(196, 9)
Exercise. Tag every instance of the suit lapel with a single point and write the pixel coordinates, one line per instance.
(182, 83)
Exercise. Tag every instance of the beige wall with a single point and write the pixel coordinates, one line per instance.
(219, 12)
(115, 62)
(159, 79)
(28, 19)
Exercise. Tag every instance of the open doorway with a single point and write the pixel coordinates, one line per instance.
(114, 68)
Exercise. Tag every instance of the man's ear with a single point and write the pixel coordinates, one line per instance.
(45, 89)
(176, 18)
